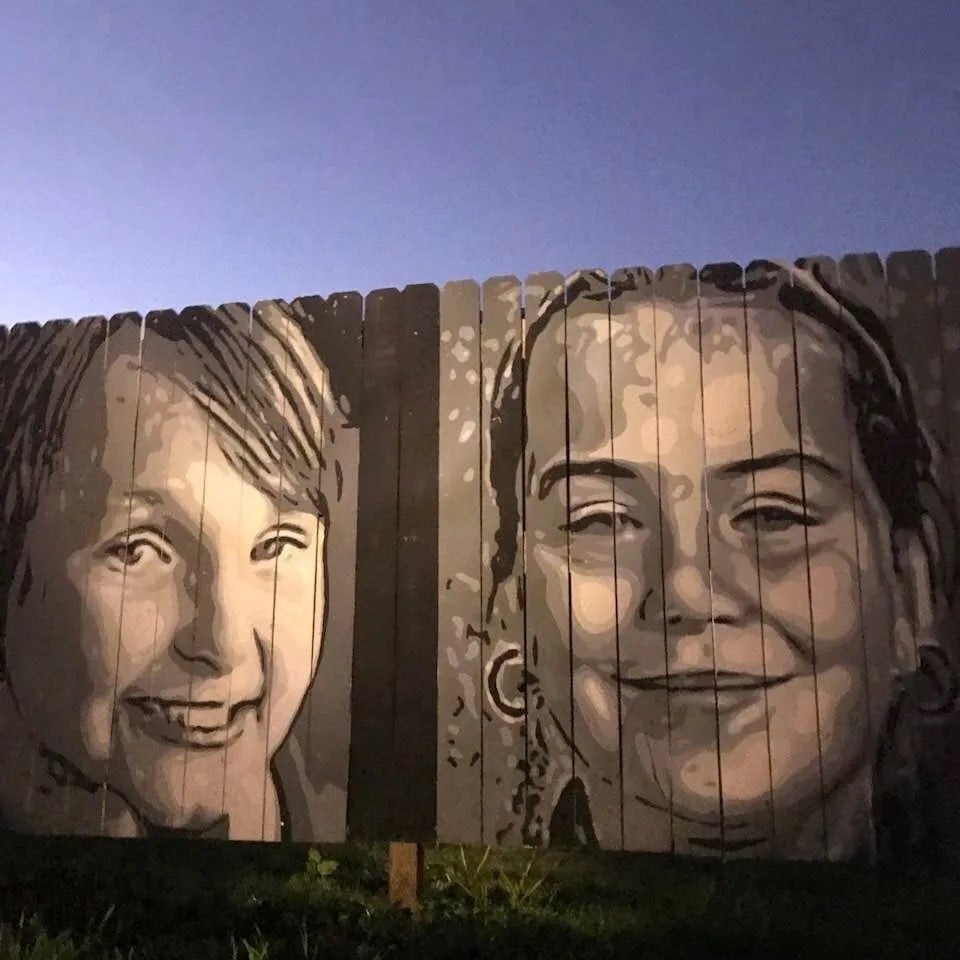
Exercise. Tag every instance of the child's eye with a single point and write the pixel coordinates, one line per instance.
(775, 518)
(137, 549)
(281, 540)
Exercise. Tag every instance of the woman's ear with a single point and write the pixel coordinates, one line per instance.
(916, 612)
(927, 675)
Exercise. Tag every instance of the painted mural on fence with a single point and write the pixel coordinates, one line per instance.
(179, 508)
(697, 564)
(652, 560)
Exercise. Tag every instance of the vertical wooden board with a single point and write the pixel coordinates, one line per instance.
(725, 419)
(546, 749)
(846, 650)
(24, 779)
(460, 574)
(592, 524)
(686, 606)
(914, 322)
(795, 505)
(837, 517)
(863, 285)
(947, 268)
(51, 426)
(170, 468)
(317, 755)
(504, 711)
(914, 326)
(105, 437)
(113, 594)
(200, 515)
(220, 394)
(371, 784)
(164, 625)
(229, 450)
(946, 806)
(333, 326)
(914, 319)
(742, 681)
(551, 791)
(776, 499)
(414, 751)
(405, 875)
(902, 475)
(287, 618)
(641, 634)
(289, 393)
(110, 607)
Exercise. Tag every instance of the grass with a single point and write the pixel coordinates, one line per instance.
(71, 899)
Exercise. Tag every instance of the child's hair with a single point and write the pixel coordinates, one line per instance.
(266, 391)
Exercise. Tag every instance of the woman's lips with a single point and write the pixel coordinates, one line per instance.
(193, 724)
(722, 692)
(703, 681)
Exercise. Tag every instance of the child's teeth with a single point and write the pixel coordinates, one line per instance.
(204, 718)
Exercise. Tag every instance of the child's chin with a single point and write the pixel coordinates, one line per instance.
(196, 816)
(200, 820)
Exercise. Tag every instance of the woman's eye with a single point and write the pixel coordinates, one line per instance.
(137, 551)
(272, 547)
(775, 518)
(602, 521)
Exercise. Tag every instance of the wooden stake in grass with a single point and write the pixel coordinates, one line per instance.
(406, 874)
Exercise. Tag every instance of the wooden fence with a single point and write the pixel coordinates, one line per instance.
(650, 559)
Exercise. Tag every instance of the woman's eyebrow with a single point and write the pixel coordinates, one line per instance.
(603, 467)
(780, 458)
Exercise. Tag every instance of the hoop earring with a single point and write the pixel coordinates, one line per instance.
(511, 710)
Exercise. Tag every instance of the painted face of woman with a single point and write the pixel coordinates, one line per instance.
(722, 535)
(173, 619)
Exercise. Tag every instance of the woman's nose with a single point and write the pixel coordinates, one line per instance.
(694, 581)
(686, 595)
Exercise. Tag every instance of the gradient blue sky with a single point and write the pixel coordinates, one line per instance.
(157, 153)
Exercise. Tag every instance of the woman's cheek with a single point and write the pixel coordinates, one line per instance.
(549, 585)
(785, 600)
(835, 604)
(597, 602)
(844, 731)
(842, 707)
(817, 603)
(596, 699)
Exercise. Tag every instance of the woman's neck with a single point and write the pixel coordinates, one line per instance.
(842, 829)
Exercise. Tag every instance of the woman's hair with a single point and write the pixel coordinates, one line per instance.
(267, 394)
